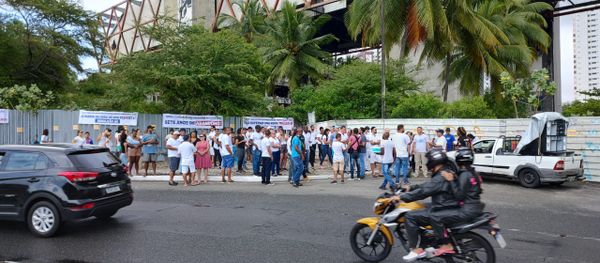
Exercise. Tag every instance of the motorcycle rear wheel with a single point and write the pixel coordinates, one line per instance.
(379, 249)
(475, 248)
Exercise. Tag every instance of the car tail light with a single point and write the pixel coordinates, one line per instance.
(82, 207)
(559, 166)
(76, 177)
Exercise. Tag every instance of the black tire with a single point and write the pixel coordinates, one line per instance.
(43, 219)
(529, 178)
(379, 249)
(474, 247)
(106, 215)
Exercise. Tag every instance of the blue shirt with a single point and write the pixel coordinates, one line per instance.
(296, 142)
(149, 148)
(449, 142)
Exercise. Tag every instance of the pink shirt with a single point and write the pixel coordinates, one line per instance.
(353, 143)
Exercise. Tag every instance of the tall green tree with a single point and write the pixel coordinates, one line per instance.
(294, 52)
(251, 21)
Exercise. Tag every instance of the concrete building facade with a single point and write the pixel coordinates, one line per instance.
(586, 56)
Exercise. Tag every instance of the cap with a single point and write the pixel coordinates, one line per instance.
(176, 133)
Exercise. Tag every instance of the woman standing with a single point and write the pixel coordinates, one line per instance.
(45, 138)
(134, 146)
(122, 146)
(284, 153)
(240, 142)
(202, 161)
(325, 148)
(194, 137)
(411, 155)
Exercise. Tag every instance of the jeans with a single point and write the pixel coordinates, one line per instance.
(241, 154)
(266, 170)
(276, 163)
(385, 170)
(306, 153)
(313, 151)
(298, 168)
(326, 153)
(346, 161)
(354, 161)
(401, 169)
(256, 161)
(290, 168)
(361, 161)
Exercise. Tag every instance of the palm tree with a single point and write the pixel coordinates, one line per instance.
(294, 52)
(251, 21)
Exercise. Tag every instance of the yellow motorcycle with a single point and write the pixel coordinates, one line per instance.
(372, 238)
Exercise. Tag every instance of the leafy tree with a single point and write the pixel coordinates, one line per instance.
(419, 106)
(24, 98)
(196, 72)
(469, 108)
(294, 52)
(595, 92)
(530, 90)
(590, 107)
(251, 21)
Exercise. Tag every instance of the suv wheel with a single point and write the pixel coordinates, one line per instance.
(43, 219)
(106, 215)
(529, 178)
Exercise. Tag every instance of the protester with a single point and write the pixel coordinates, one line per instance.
(194, 137)
(463, 140)
(362, 153)
(401, 142)
(374, 139)
(420, 148)
(88, 139)
(449, 140)
(266, 158)
(182, 134)
(174, 156)
(218, 159)
(306, 146)
(313, 146)
(149, 149)
(226, 153)
(439, 141)
(240, 143)
(202, 161)
(276, 153)
(411, 154)
(354, 142)
(186, 152)
(297, 154)
(283, 138)
(388, 152)
(211, 139)
(256, 150)
(338, 148)
(170, 135)
(45, 137)
(473, 138)
(78, 140)
(344, 133)
(248, 138)
(319, 139)
(134, 151)
(105, 139)
(325, 148)
(122, 145)
(290, 159)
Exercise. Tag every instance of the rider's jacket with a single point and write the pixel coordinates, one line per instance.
(467, 186)
(438, 188)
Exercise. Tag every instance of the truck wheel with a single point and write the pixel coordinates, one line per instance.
(529, 178)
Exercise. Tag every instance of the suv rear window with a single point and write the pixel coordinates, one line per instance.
(93, 159)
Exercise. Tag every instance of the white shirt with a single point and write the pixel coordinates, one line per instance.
(307, 139)
(421, 143)
(313, 137)
(401, 142)
(344, 137)
(265, 144)
(388, 151)
(338, 151)
(186, 150)
(225, 140)
(441, 142)
(273, 143)
(373, 139)
(78, 141)
(256, 138)
(289, 145)
(44, 139)
(105, 142)
(173, 143)
(180, 139)
(211, 136)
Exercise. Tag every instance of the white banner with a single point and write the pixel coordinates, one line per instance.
(3, 116)
(108, 118)
(286, 123)
(192, 121)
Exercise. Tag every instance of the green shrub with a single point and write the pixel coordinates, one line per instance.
(418, 106)
(469, 108)
(589, 107)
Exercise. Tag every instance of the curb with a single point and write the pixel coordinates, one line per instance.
(241, 178)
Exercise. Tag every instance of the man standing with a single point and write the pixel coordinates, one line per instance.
(344, 140)
(211, 141)
(305, 147)
(256, 139)
(226, 153)
(401, 142)
(420, 147)
(362, 153)
(440, 140)
(174, 157)
(266, 158)
(149, 149)
(313, 146)
(449, 140)
(276, 153)
(297, 157)
(186, 150)
(374, 159)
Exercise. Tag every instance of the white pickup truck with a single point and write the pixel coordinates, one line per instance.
(497, 157)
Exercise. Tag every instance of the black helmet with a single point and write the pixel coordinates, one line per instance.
(464, 156)
(435, 157)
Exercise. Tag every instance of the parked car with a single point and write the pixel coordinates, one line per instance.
(45, 185)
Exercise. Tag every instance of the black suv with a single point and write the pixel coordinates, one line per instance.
(46, 185)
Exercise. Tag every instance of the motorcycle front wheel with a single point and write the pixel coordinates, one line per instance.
(379, 249)
(475, 248)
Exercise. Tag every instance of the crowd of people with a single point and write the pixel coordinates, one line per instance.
(350, 153)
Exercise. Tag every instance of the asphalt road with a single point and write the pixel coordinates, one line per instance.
(253, 223)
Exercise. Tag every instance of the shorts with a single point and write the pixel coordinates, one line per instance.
(149, 157)
(227, 161)
(188, 168)
(338, 167)
(374, 158)
(174, 163)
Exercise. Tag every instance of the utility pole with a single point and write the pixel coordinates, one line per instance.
(382, 60)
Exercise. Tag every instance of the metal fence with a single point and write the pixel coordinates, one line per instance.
(583, 133)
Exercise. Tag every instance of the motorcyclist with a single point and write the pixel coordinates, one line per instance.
(466, 187)
(442, 200)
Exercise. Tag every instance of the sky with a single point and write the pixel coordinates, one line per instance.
(96, 6)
